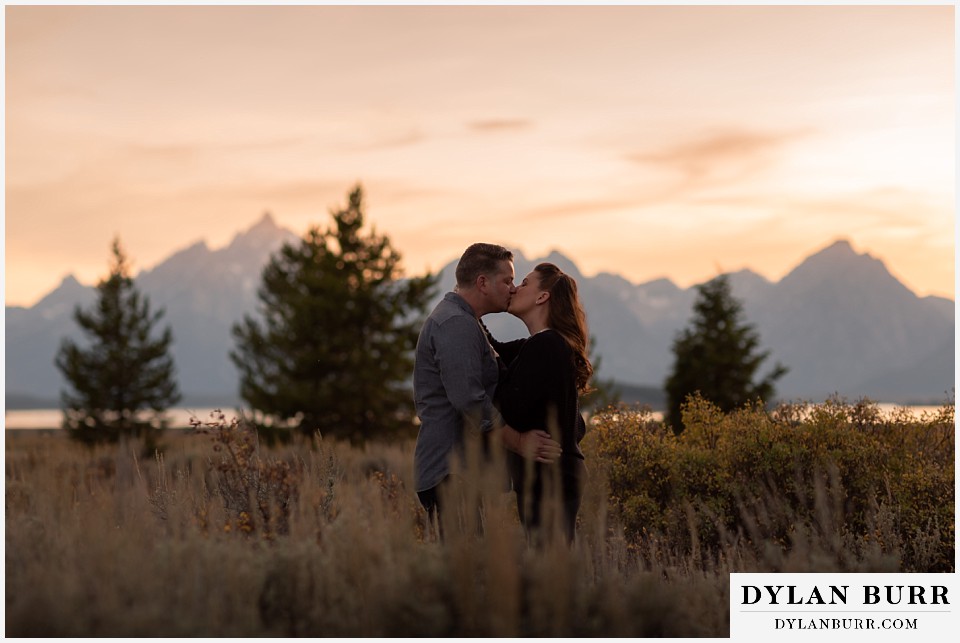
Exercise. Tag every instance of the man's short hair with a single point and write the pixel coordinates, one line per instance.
(480, 259)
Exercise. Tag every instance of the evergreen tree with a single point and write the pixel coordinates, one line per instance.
(334, 350)
(124, 380)
(717, 356)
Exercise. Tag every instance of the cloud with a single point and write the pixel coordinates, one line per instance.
(390, 140)
(582, 208)
(719, 156)
(178, 150)
(500, 124)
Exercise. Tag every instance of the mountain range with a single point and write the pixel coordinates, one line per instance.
(839, 321)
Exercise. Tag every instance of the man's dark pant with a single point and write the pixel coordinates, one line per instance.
(430, 499)
(450, 493)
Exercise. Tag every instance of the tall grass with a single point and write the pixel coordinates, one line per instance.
(218, 535)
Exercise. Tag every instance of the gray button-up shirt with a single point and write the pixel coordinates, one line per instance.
(454, 380)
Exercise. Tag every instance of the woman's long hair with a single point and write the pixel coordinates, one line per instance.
(566, 316)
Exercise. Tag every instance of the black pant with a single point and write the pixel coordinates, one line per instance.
(569, 474)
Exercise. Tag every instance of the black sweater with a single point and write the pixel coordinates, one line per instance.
(540, 378)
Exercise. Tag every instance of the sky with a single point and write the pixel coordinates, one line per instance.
(649, 141)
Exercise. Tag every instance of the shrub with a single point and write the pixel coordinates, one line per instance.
(767, 477)
(258, 491)
(100, 543)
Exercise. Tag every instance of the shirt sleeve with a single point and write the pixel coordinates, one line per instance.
(462, 354)
(507, 351)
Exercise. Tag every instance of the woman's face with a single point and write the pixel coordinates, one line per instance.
(525, 299)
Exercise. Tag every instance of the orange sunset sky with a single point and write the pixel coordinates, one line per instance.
(645, 140)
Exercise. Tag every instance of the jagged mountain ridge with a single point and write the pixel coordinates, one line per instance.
(202, 291)
(839, 320)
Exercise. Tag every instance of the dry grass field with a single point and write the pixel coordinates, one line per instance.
(215, 535)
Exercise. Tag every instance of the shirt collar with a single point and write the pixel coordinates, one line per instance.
(455, 298)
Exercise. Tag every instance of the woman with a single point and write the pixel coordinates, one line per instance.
(540, 389)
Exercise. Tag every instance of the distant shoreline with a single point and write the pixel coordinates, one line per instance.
(48, 420)
(629, 393)
(21, 402)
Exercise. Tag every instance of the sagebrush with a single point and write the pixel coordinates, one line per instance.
(220, 535)
(844, 473)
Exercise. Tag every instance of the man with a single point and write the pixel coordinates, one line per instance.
(456, 371)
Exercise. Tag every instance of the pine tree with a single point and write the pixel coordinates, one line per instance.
(124, 380)
(717, 356)
(333, 350)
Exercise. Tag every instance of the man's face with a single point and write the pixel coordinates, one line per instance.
(500, 289)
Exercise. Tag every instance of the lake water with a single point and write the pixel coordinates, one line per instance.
(51, 418)
(180, 418)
